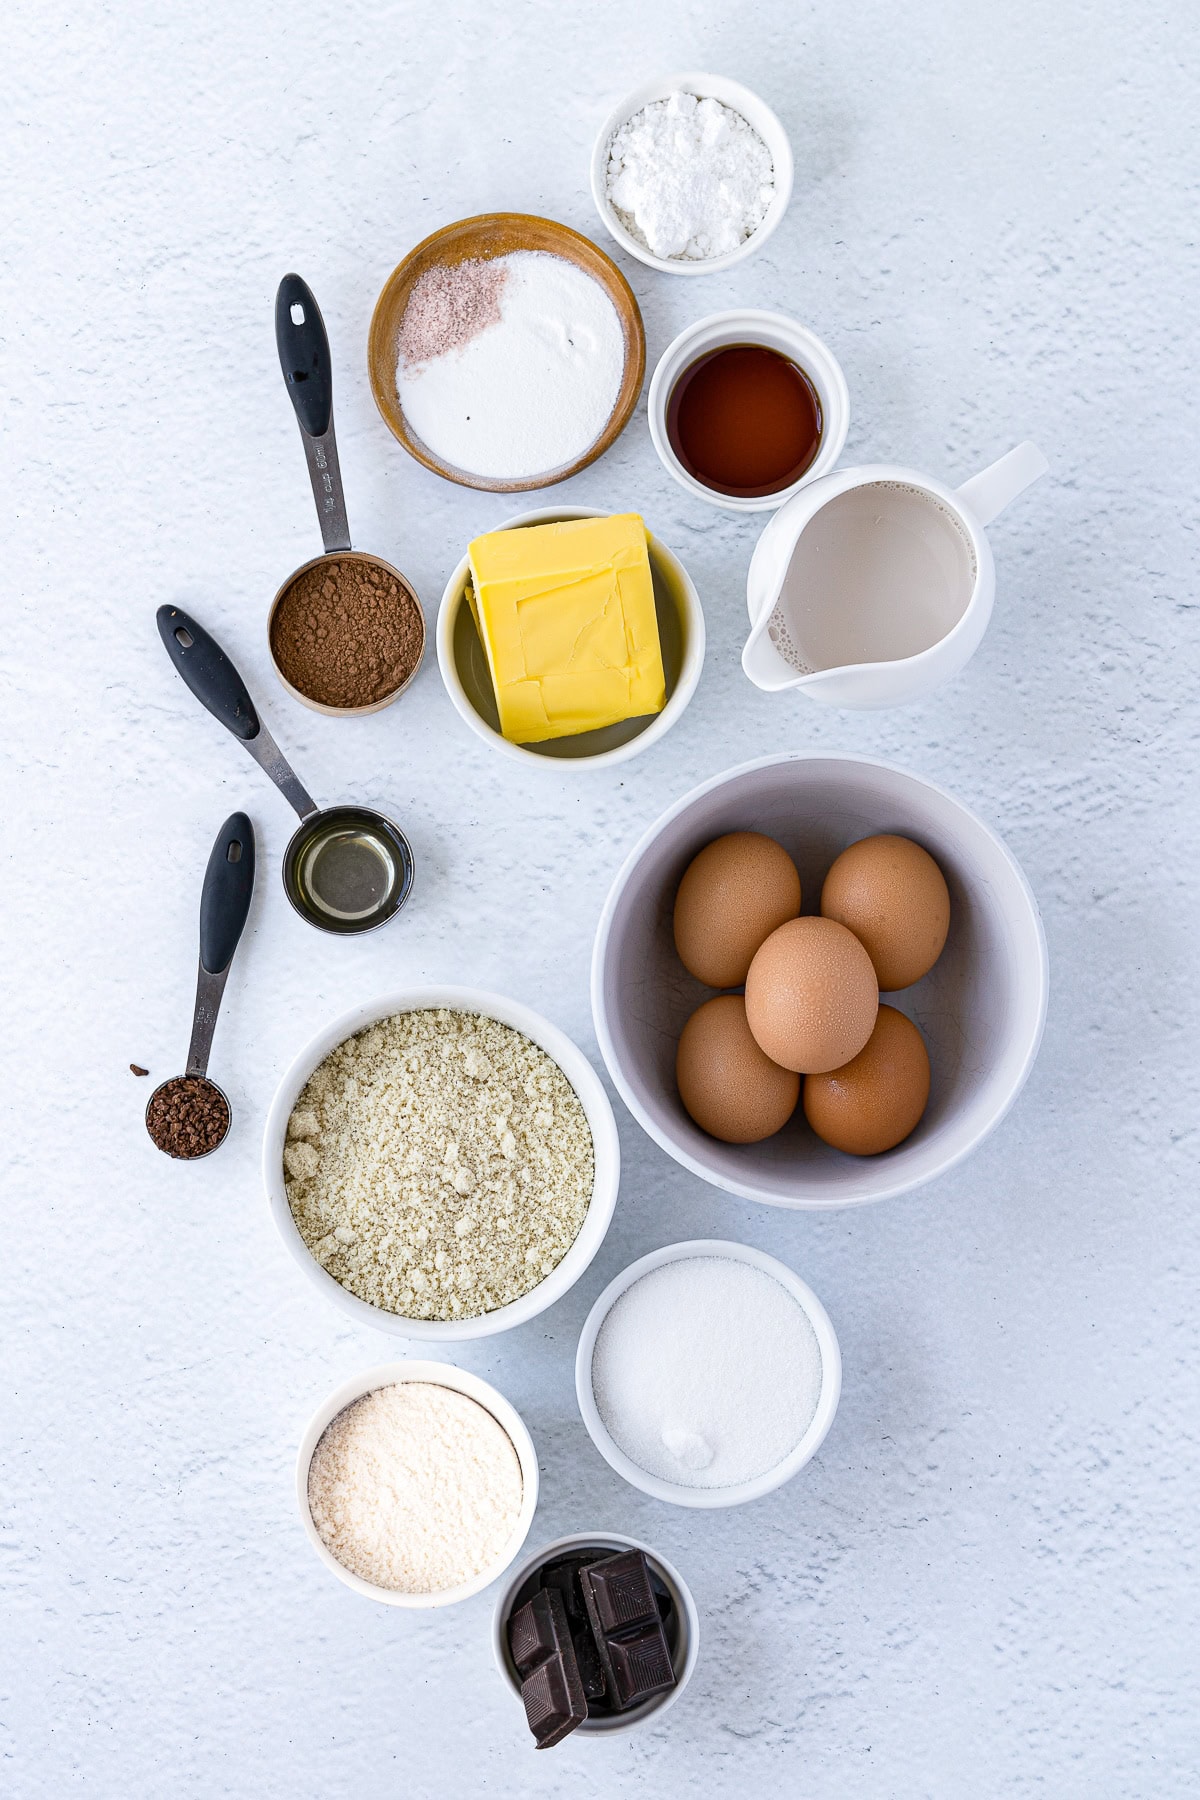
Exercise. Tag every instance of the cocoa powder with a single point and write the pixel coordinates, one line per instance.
(347, 633)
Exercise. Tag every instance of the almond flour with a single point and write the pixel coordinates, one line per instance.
(415, 1487)
(439, 1164)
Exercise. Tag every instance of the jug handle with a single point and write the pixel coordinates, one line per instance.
(987, 494)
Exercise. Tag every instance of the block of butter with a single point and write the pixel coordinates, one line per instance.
(566, 615)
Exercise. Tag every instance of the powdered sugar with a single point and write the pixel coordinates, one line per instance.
(524, 392)
(707, 1372)
(689, 178)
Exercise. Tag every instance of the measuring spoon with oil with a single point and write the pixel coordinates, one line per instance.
(224, 907)
(347, 868)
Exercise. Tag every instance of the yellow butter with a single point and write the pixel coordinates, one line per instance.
(566, 615)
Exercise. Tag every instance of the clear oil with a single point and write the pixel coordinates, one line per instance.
(349, 873)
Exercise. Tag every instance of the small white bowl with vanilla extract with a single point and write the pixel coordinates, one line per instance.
(747, 407)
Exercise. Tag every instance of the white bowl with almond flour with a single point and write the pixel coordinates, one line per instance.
(377, 1251)
(463, 1540)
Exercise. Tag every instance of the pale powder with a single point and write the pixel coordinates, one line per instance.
(415, 1488)
(439, 1164)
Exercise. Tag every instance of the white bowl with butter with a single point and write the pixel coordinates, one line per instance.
(465, 674)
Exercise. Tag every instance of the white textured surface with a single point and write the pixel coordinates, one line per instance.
(985, 1584)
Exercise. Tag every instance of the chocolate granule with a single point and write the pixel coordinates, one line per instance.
(137, 1069)
(187, 1117)
(347, 633)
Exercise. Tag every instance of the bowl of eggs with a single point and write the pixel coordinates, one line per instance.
(819, 981)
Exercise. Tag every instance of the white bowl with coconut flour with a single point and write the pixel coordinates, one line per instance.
(417, 1484)
(691, 174)
(496, 1218)
(708, 1373)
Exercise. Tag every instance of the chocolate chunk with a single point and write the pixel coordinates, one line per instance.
(591, 1669)
(621, 1591)
(539, 1640)
(531, 1634)
(137, 1069)
(641, 1664)
(565, 1577)
(623, 1609)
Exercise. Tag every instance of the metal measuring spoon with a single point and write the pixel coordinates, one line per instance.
(192, 1100)
(347, 868)
(307, 366)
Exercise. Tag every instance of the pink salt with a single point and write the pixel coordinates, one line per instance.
(449, 305)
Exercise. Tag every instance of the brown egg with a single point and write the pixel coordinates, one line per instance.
(728, 1086)
(732, 896)
(811, 995)
(893, 897)
(876, 1100)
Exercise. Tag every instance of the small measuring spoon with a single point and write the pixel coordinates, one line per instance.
(347, 868)
(224, 906)
(307, 365)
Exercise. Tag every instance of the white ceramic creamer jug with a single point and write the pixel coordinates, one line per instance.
(872, 586)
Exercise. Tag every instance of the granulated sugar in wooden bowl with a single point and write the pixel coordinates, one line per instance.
(442, 1162)
(417, 1483)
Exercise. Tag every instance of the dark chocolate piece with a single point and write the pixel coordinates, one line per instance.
(564, 1576)
(621, 1592)
(623, 1609)
(641, 1664)
(539, 1640)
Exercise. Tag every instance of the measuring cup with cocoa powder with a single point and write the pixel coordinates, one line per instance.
(346, 630)
(347, 868)
(189, 1116)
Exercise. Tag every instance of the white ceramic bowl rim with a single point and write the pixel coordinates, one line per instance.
(747, 1189)
(649, 1713)
(752, 324)
(589, 1090)
(741, 99)
(460, 1381)
(677, 702)
(827, 1401)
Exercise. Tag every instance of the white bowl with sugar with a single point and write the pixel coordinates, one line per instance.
(750, 110)
(708, 1373)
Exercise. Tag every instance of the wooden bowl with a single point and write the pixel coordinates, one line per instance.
(490, 235)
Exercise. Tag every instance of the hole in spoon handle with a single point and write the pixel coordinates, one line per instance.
(208, 672)
(303, 346)
(227, 892)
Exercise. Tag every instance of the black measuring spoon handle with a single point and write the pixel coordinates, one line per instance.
(217, 685)
(303, 345)
(307, 365)
(208, 672)
(225, 897)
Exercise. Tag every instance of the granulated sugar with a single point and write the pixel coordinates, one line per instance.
(415, 1487)
(510, 368)
(706, 1372)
